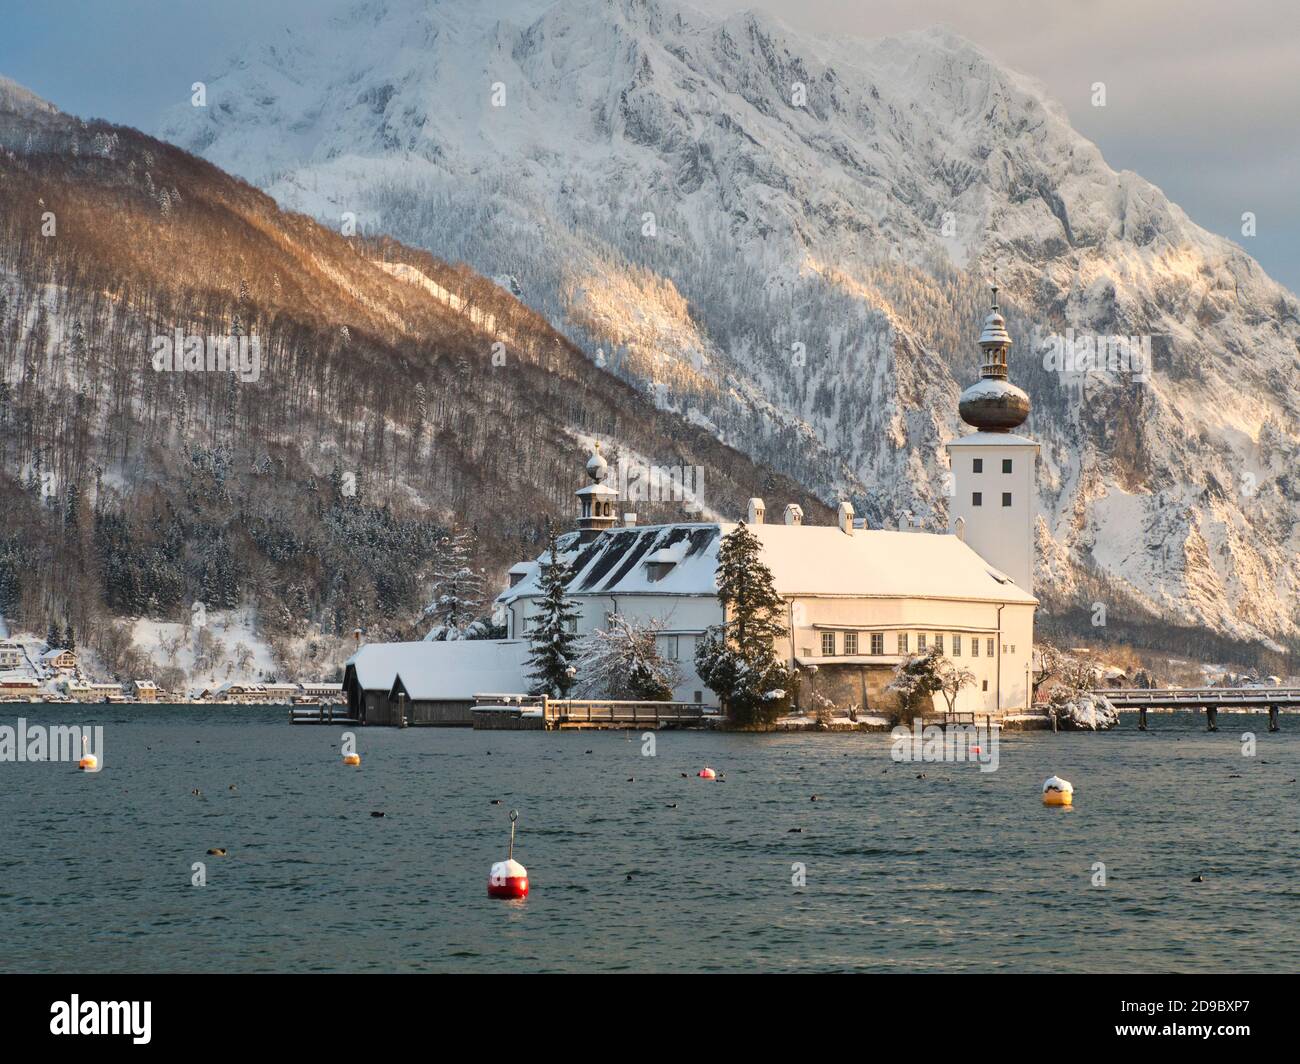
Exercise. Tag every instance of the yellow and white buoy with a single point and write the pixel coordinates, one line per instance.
(1057, 791)
(351, 759)
(89, 762)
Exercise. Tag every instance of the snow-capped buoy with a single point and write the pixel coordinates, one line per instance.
(351, 759)
(707, 773)
(508, 878)
(1057, 791)
(89, 762)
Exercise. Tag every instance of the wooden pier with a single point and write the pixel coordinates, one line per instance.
(541, 713)
(329, 713)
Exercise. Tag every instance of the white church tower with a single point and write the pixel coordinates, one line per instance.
(993, 467)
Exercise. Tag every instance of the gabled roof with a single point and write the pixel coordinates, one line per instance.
(455, 670)
(804, 559)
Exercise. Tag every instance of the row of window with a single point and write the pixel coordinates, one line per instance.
(977, 465)
(832, 642)
(977, 498)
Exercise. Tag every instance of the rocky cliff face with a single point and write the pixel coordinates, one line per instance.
(787, 241)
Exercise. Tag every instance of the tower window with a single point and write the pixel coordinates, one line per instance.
(1006, 465)
(977, 498)
(977, 465)
(1006, 498)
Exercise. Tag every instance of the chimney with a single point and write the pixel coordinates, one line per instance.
(960, 528)
(793, 513)
(629, 520)
(846, 517)
(757, 511)
(356, 637)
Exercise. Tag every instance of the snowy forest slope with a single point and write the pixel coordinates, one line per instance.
(309, 497)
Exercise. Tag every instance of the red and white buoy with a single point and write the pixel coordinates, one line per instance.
(707, 773)
(508, 878)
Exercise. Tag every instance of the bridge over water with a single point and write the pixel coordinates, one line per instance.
(1211, 699)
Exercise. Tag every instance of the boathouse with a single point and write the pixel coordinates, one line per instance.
(432, 682)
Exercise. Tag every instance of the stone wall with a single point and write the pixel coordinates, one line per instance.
(848, 685)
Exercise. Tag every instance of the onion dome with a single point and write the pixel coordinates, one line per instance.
(597, 467)
(993, 403)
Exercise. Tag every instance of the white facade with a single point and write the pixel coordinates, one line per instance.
(995, 500)
(858, 602)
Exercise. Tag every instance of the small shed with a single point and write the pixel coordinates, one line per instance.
(434, 682)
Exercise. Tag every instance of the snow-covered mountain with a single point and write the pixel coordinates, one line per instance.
(787, 240)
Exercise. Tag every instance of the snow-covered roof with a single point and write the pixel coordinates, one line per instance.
(453, 670)
(54, 652)
(804, 559)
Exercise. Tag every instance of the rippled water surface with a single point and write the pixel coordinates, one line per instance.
(634, 867)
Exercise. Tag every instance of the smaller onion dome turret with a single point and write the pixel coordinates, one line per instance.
(993, 403)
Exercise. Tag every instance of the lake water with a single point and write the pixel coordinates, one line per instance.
(960, 871)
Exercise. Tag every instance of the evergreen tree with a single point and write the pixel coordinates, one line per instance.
(737, 659)
(552, 635)
(52, 637)
(69, 637)
(457, 590)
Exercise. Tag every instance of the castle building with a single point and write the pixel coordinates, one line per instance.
(859, 601)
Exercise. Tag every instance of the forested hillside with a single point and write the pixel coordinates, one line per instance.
(395, 397)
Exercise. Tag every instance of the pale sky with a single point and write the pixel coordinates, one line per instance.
(1203, 99)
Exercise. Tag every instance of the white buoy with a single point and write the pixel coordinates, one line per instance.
(1057, 791)
(89, 762)
(508, 878)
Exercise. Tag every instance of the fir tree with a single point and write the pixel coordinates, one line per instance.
(457, 590)
(552, 634)
(69, 637)
(737, 659)
(52, 637)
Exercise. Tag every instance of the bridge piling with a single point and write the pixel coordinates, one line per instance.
(1211, 718)
(1272, 719)
(1142, 718)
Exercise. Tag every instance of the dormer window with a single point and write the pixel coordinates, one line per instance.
(661, 562)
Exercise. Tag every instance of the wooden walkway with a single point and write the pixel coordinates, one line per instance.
(1194, 697)
(574, 713)
(1210, 699)
(326, 714)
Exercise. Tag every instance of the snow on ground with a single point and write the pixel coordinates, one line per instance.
(225, 646)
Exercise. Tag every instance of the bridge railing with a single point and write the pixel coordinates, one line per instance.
(1246, 696)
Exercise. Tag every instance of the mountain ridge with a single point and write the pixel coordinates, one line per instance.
(821, 225)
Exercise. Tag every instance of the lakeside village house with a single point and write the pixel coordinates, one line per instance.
(859, 600)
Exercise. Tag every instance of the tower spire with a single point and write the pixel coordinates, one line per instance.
(596, 500)
(994, 404)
